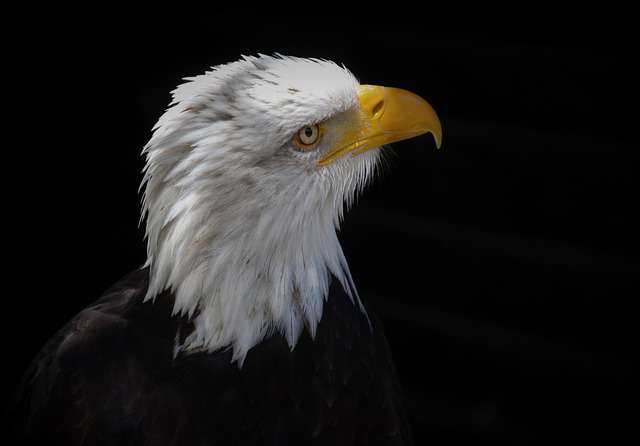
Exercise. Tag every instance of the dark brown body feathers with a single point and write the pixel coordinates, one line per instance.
(110, 377)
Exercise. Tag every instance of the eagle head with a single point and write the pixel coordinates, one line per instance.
(247, 176)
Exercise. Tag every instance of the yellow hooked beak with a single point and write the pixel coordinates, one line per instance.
(388, 115)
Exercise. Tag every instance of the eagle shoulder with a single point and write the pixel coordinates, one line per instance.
(62, 377)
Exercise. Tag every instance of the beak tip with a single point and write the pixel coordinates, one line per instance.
(437, 138)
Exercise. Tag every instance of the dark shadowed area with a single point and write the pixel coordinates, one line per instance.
(505, 267)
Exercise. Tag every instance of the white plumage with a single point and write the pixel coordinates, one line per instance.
(240, 224)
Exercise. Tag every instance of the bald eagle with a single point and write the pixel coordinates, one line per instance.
(244, 326)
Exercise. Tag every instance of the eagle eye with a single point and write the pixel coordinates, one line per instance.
(307, 137)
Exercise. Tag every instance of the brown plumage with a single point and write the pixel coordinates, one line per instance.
(109, 377)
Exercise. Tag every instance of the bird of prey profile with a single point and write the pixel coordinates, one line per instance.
(244, 326)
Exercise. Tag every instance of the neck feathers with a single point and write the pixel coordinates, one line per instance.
(250, 268)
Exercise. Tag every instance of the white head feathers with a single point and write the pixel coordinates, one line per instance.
(241, 226)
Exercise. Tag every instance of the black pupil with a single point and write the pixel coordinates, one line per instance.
(308, 132)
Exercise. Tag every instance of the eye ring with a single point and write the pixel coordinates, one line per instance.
(307, 137)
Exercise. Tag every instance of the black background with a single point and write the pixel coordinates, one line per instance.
(504, 266)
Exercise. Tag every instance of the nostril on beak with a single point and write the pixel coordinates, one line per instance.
(377, 109)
